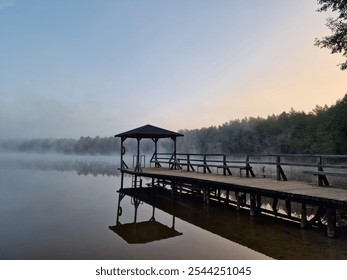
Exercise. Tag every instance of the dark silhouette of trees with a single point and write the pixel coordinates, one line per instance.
(337, 42)
(324, 131)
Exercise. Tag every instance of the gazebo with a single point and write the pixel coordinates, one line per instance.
(147, 132)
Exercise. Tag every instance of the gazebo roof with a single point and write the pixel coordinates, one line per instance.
(149, 131)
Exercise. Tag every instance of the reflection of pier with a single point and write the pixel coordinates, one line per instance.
(276, 238)
(143, 231)
(209, 177)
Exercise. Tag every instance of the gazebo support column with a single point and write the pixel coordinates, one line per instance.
(157, 164)
(175, 164)
(122, 164)
(138, 160)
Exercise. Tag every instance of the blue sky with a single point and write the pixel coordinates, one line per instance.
(88, 67)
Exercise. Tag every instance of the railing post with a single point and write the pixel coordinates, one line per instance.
(205, 163)
(224, 165)
(188, 162)
(322, 179)
(279, 169)
(320, 168)
(278, 161)
(248, 165)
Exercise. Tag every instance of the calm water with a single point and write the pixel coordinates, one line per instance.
(61, 207)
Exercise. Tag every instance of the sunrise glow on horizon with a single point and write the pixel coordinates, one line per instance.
(72, 68)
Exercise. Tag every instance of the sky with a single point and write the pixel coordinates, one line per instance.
(101, 67)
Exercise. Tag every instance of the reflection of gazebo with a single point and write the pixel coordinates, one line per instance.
(145, 231)
(147, 132)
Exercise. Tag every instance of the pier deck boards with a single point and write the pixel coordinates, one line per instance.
(295, 190)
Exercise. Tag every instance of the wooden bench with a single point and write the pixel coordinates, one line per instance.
(322, 179)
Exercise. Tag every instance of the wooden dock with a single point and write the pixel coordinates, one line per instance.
(297, 190)
(249, 191)
(197, 175)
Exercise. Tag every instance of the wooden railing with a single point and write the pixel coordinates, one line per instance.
(317, 165)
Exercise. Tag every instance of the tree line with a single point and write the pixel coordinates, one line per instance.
(83, 145)
(321, 131)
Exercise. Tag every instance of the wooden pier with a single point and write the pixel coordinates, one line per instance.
(210, 186)
(213, 177)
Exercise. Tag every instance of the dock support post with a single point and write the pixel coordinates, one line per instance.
(173, 190)
(331, 213)
(303, 222)
(206, 195)
(238, 202)
(227, 197)
(288, 207)
(274, 205)
(253, 207)
(258, 203)
(153, 188)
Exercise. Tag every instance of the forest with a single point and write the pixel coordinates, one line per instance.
(321, 131)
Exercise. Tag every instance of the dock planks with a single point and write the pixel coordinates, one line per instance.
(297, 190)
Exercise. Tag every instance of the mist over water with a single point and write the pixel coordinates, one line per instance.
(82, 165)
(61, 207)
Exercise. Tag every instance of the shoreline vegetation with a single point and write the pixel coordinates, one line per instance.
(321, 131)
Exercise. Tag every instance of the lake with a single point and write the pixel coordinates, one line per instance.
(65, 207)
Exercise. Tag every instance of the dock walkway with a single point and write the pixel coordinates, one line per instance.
(327, 199)
(297, 190)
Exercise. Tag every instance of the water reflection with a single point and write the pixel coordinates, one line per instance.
(142, 231)
(267, 235)
(67, 216)
(82, 165)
